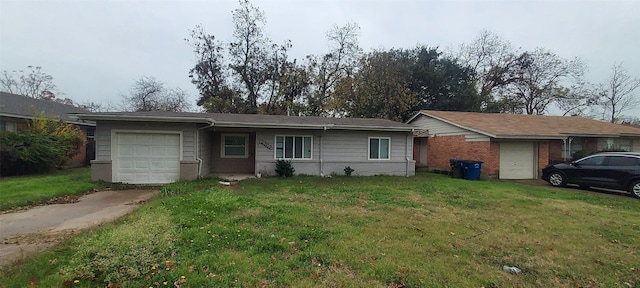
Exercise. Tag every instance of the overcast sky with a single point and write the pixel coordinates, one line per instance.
(95, 50)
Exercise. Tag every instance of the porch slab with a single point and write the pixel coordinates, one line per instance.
(233, 177)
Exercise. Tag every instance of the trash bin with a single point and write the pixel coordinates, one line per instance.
(456, 168)
(472, 169)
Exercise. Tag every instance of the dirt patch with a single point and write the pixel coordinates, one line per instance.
(51, 237)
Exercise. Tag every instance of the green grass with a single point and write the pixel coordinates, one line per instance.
(423, 231)
(28, 190)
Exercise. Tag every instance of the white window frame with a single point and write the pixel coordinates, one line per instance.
(222, 145)
(388, 149)
(275, 150)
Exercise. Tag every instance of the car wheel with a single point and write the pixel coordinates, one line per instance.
(634, 189)
(557, 179)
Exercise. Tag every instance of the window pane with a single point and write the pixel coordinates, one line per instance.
(298, 147)
(234, 140)
(307, 148)
(234, 151)
(373, 148)
(288, 147)
(384, 148)
(279, 146)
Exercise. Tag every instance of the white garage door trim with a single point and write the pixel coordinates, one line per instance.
(167, 166)
(518, 160)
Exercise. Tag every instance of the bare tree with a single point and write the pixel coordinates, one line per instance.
(149, 94)
(330, 68)
(248, 51)
(208, 74)
(539, 80)
(493, 62)
(579, 99)
(618, 95)
(32, 83)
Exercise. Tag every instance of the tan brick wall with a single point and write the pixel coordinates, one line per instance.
(441, 149)
(544, 153)
(80, 159)
(555, 151)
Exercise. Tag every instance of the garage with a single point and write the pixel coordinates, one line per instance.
(146, 158)
(517, 160)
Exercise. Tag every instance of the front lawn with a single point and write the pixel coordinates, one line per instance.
(423, 231)
(28, 190)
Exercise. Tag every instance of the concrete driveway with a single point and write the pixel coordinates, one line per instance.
(30, 231)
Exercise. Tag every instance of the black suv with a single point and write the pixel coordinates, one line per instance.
(611, 170)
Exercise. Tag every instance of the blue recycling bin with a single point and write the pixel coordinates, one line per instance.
(472, 169)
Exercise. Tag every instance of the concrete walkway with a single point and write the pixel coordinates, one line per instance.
(52, 223)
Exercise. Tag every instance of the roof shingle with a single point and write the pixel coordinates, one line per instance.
(541, 126)
(26, 107)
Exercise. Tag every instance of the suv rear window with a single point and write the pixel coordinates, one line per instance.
(593, 161)
(623, 161)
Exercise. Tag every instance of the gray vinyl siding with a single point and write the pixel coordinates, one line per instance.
(636, 144)
(440, 128)
(104, 129)
(340, 148)
(206, 143)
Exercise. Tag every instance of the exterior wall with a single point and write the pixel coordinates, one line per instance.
(188, 169)
(420, 152)
(440, 128)
(101, 170)
(205, 139)
(333, 150)
(101, 167)
(232, 165)
(104, 128)
(80, 159)
(555, 151)
(544, 153)
(636, 145)
(443, 148)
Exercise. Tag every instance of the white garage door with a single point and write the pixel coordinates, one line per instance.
(146, 158)
(517, 160)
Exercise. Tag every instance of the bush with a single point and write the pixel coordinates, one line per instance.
(27, 153)
(284, 168)
(348, 170)
(47, 145)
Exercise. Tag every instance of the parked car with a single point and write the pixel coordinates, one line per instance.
(611, 170)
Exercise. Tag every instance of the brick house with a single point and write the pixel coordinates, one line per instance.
(17, 110)
(512, 146)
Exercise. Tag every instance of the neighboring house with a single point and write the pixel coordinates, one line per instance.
(17, 110)
(512, 146)
(161, 147)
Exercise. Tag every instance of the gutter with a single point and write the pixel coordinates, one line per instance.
(320, 152)
(236, 124)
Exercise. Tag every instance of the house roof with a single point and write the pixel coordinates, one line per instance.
(498, 125)
(253, 120)
(23, 107)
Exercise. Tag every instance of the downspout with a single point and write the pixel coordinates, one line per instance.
(406, 152)
(320, 152)
(211, 123)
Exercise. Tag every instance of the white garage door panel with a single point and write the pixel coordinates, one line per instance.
(517, 160)
(147, 158)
